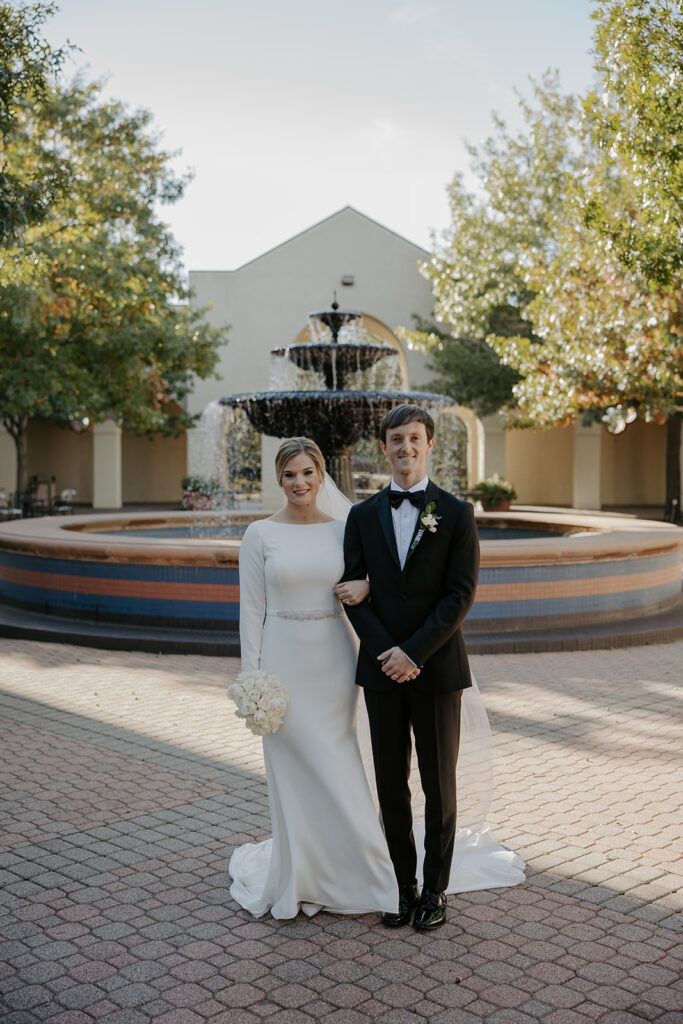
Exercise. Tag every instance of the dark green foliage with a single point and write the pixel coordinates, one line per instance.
(469, 371)
(27, 66)
(95, 320)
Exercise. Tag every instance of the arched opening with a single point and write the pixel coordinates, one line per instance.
(475, 444)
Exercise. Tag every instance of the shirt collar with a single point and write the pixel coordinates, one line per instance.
(420, 486)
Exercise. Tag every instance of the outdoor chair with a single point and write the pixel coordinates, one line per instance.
(62, 505)
(8, 509)
(40, 495)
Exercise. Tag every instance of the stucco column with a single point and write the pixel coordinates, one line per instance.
(8, 462)
(271, 496)
(586, 492)
(107, 467)
(494, 447)
(195, 453)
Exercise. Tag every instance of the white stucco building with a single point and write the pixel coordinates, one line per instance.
(374, 271)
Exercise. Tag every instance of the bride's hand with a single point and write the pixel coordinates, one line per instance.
(353, 591)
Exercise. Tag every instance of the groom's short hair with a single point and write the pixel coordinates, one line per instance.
(401, 414)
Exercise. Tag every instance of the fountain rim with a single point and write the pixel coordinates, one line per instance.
(350, 314)
(591, 537)
(424, 396)
(353, 345)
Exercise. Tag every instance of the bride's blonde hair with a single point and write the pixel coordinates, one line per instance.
(294, 446)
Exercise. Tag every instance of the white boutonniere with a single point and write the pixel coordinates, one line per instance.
(428, 521)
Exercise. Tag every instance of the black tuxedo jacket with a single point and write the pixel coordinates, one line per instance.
(422, 607)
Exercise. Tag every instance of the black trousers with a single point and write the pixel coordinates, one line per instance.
(435, 723)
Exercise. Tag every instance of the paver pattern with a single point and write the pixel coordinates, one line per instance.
(127, 782)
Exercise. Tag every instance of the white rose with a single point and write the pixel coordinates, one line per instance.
(261, 700)
(429, 522)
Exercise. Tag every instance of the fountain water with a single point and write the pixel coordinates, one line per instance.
(335, 416)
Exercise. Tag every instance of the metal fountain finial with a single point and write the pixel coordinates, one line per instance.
(335, 320)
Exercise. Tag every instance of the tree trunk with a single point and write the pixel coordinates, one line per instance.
(17, 427)
(673, 467)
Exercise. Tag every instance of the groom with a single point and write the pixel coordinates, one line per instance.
(418, 546)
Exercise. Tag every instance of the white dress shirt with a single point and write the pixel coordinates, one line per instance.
(405, 518)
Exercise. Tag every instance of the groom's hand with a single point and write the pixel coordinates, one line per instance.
(397, 665)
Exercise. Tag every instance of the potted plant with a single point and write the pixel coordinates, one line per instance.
(494, 493)
(199, 492)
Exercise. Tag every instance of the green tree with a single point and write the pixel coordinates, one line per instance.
(481, 267)
(636, 114)
(479, 270)
(604, 345)
(94, 319)
(522, 269)
(467, 369)
(27, 66)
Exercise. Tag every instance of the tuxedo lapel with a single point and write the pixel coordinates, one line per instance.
(387, 523)
(431, 494)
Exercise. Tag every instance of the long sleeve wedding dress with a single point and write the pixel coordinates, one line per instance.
(328, 850)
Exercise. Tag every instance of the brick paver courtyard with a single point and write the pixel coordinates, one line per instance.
(127, 782)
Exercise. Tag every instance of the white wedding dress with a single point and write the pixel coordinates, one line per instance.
(328, 851)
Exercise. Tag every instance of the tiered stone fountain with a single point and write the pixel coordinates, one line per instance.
(137, 581)
(335, 416)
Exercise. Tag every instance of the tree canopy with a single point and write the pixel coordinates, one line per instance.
(28, 64)
(636, 116)
(566, 261)
(467, 369)
(483, 265)
(94, 319)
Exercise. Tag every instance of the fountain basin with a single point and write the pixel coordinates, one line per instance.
(585, 573)
(335, 419)
(335, 362)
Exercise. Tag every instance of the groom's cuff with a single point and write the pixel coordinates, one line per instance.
(407, 656)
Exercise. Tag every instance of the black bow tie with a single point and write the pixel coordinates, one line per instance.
(398, 497)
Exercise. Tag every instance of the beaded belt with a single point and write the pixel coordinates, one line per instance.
(307, 613)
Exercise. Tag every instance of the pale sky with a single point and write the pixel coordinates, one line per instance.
(288, 110)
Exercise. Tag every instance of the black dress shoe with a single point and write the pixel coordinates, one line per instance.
(431, 911)
(408, 895)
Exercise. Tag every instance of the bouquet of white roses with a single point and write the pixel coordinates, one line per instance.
(261, 701)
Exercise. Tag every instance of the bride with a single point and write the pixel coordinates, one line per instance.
(328, 851)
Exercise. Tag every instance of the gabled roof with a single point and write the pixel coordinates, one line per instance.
(345, 211)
